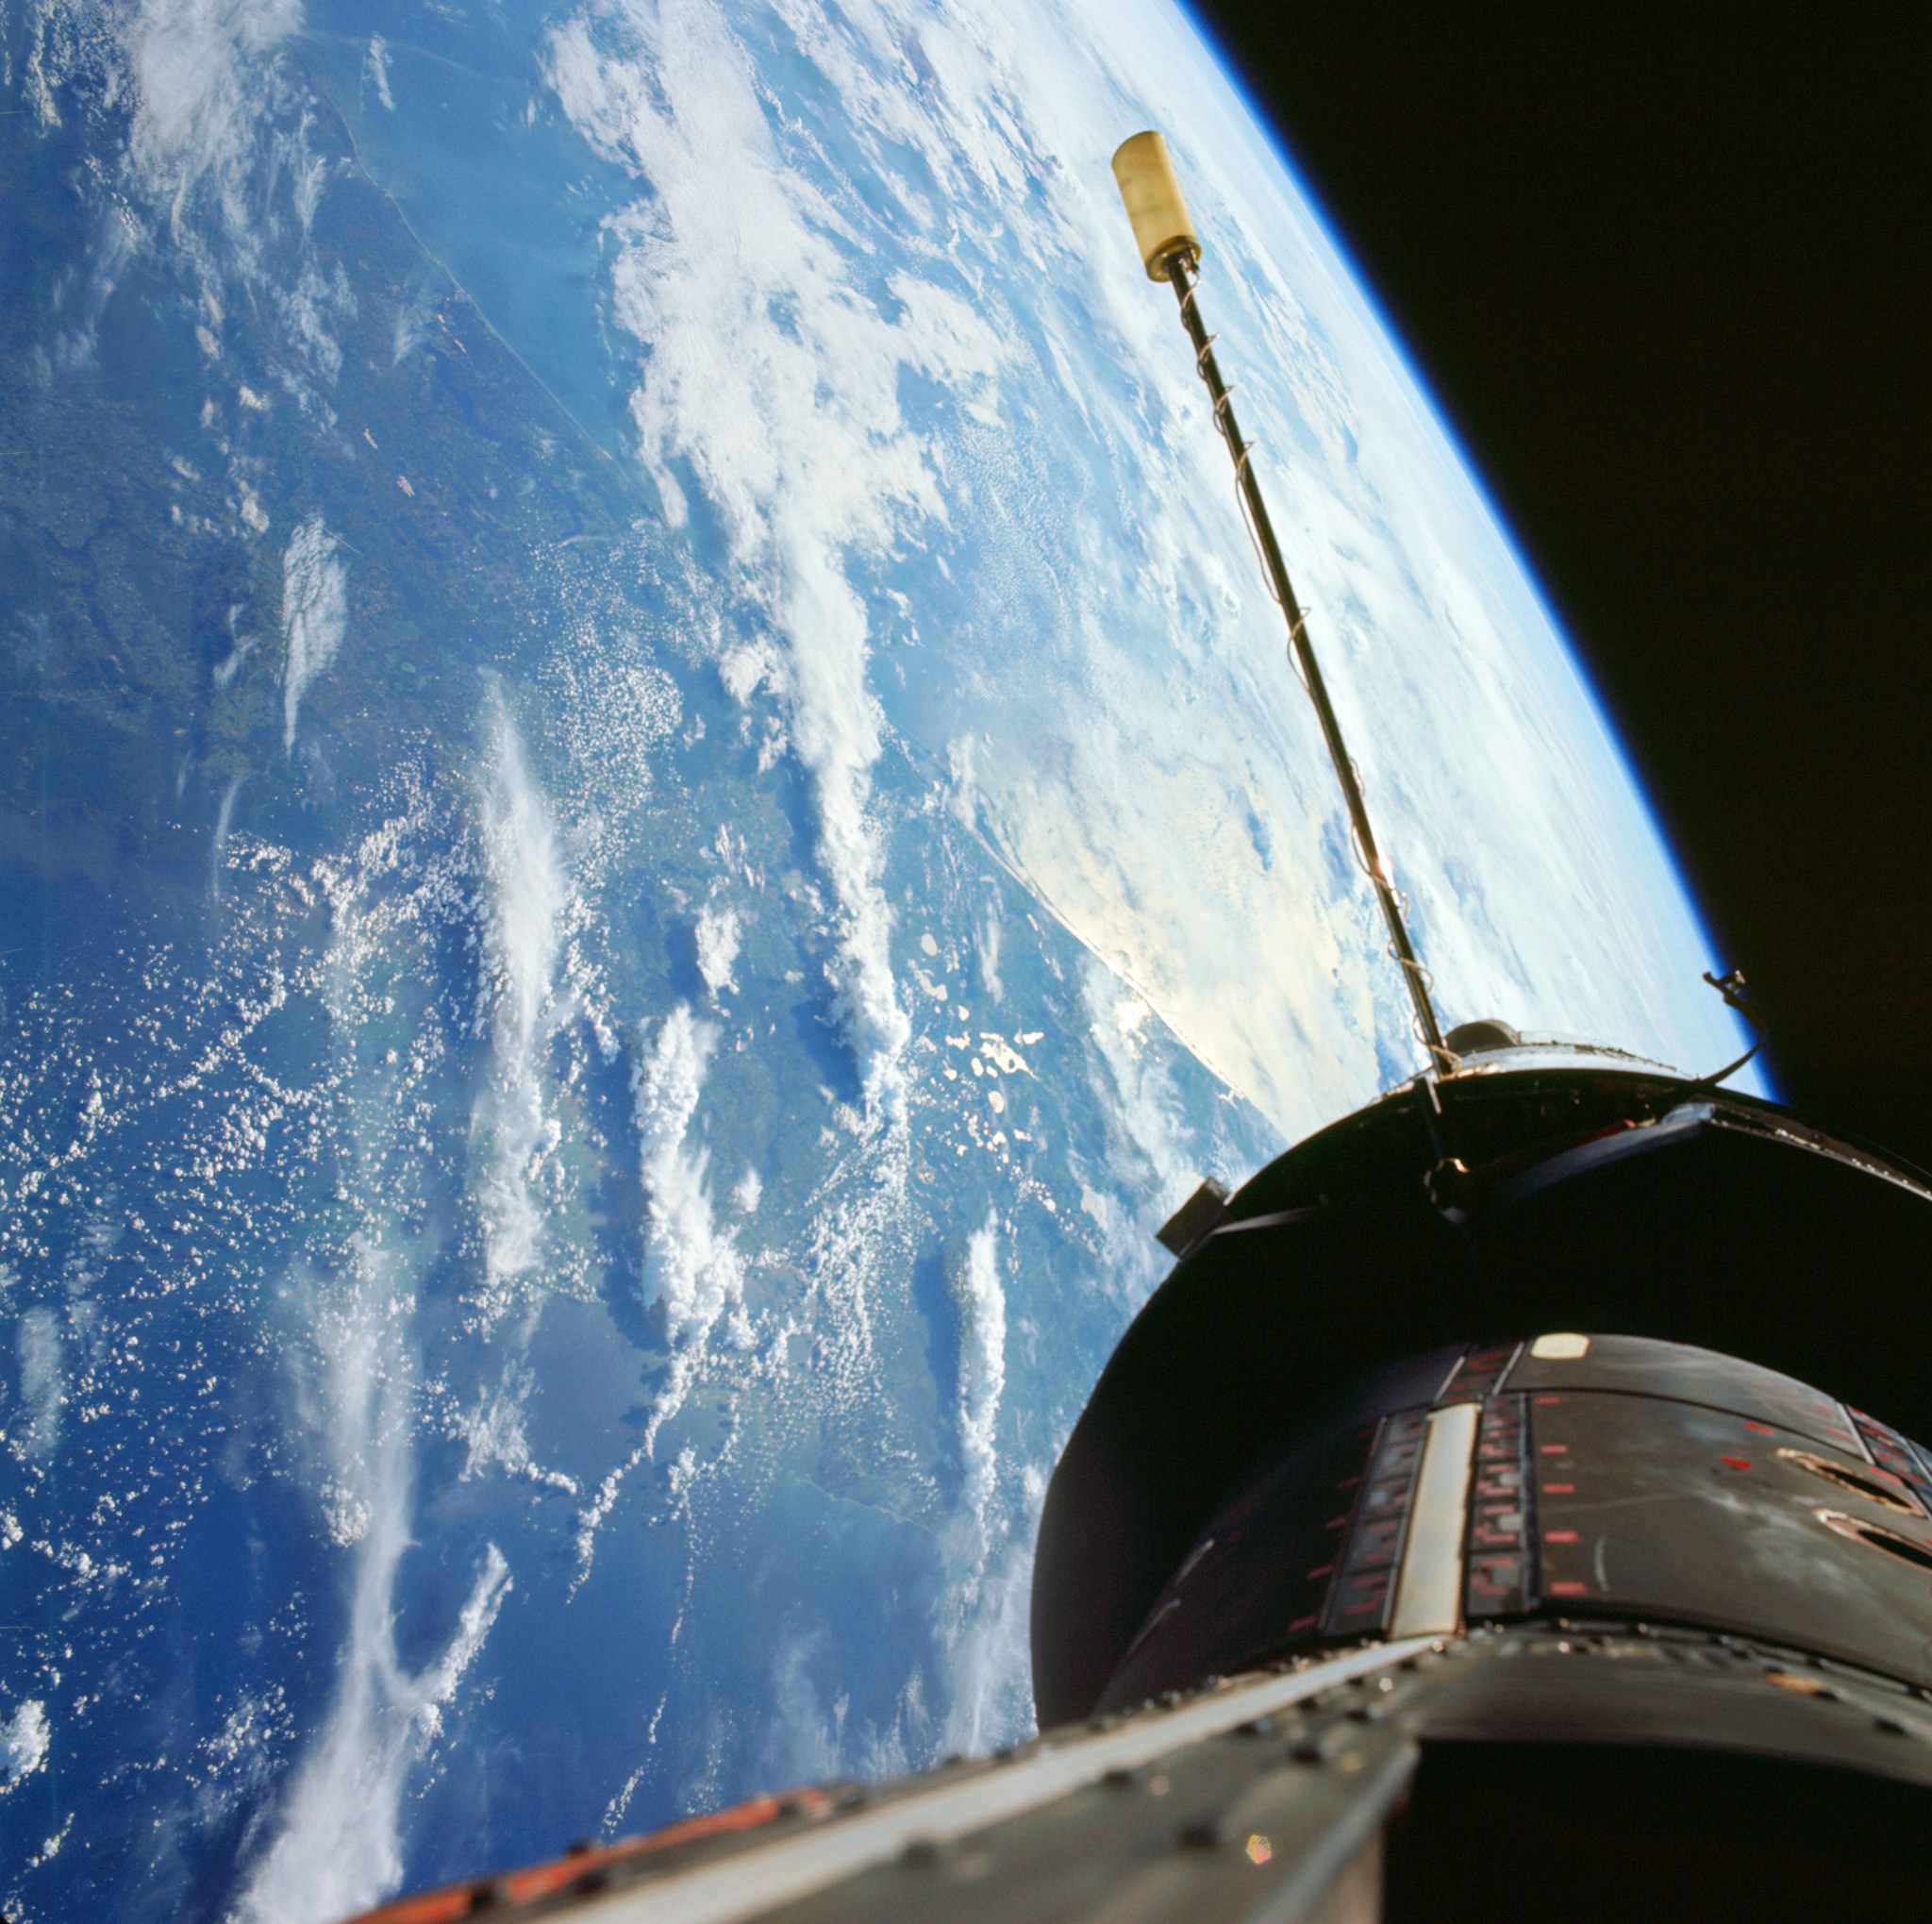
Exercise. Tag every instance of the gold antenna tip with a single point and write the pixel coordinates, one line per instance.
(1162, 231)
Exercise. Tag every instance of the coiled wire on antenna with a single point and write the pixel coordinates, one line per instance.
(1179, 266)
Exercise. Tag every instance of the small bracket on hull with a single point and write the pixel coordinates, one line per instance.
(1195, 1220)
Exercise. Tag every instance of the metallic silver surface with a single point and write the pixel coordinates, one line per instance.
(761, 1876)
(1428, 1593)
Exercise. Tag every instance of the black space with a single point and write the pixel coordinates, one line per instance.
(1670, 276)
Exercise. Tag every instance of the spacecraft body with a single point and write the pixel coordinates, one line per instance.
(1575, 1595)
(1487, 1520)
(1566, 1333)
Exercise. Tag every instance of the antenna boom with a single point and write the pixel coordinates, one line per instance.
(1428, 1029)
(1171, 251)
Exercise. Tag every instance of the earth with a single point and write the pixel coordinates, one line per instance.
(652, 816)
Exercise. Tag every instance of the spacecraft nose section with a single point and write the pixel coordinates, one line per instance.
(1600, 1198)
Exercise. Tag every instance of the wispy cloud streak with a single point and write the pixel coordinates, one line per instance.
(524, 900)
(315, 614)
(772, 379)
(337, 1846)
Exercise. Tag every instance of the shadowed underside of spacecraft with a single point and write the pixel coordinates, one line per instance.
(1427, 1550)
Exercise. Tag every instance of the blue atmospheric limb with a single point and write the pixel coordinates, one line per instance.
(1277, 149)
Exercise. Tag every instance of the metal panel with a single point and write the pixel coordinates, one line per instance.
(1428, 1597)
(1479, 1373)
(1663, 1511)
(1640, 1366)
(1256, 1578)
(1367, 1561)
(758, 1879)
(1501, 1559)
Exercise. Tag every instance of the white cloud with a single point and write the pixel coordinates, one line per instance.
(209, 128)
(989, 1660)
(982, 1301)
(718, 937)
(337, 1847)
(693, 1269)
(375, 70)
(406, 335)
(985, 943)
(42, 1387)
(1147, 1133)
(340, 1846)
(772, 379)
(525, 895)
(594, 1515)
(747, 1191)
(983, 1620)
(198, 96)
(810, 1733)
(494, 1437)
(25, 1738)
(315, 614)
(1146, 763)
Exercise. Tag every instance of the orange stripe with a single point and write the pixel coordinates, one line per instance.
(546, 1879)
